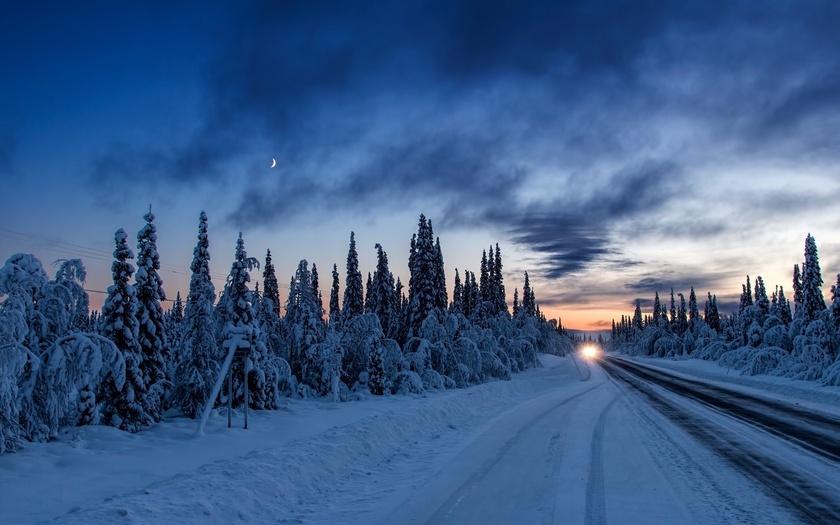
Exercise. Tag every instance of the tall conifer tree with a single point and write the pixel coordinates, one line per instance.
(151, 329)
(197, 358)
(354, 299)
(335, 311)
(125, 409)
(271, 289)
(812, 281)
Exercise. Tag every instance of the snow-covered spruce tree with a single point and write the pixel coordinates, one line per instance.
(335, 310)
(173, 320)
(785, 313)
(354, 302)
(422, 266)
(362, 339)
(49, 369)
(516, 306)
(831, 375)
(70, 297)
(305, 327)
(272, 376)
(693, 312)
(384, 298)
(713, 317)
(197, 357)
(457, 306)
(474, 295)
(327, 369)
(498, 283)
(812, 297)
(241, 330)
(467, 303)
(271, 290)
(368, 295)
(376, 375)
(761, 299)
(22, 279)
(124, 408)
(316, 288)
(797, 288)
(441, 296)
(682, 318)
(637, 315)
(657, 310)
(150, 335)
(528, 305)
(402, 313)
(484, 277)
(672, 321)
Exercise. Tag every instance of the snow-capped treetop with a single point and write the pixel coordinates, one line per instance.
(237, 308)
(201, 286)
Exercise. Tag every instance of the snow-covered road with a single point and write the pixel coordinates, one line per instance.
(546, 447)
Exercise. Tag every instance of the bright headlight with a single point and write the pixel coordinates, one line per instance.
(589, 352)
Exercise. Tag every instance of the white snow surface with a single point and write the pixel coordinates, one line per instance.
(545, 447)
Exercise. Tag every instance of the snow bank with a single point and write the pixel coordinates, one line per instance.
(291, 460)
(818, 397)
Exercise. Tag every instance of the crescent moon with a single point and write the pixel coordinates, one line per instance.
(273, 162)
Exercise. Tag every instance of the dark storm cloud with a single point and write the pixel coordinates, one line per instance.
(573, 232)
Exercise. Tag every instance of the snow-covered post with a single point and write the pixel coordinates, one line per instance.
(243, 353)
(230, 390)
(216, 389)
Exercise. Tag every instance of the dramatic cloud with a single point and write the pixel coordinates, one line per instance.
(579, 131)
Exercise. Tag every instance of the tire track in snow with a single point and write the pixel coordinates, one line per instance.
(802, 493)
(596, 503)
(445, 510)
(811, 431)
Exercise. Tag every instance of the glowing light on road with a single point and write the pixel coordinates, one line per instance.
(589, 352)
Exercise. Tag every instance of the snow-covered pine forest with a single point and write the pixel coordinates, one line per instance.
(767, 335)
(132, 364)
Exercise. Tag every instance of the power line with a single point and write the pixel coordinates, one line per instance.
(97, 254)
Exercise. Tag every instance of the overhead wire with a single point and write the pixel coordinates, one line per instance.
(85, 252)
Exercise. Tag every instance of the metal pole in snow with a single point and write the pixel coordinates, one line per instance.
(245, 364)
(230, 394)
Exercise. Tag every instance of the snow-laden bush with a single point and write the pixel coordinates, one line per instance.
(737, 358)
(777, 336)
(755, 335)
(668, 345)
(74, 372)
(810, 364)
(713, 351)
(765, 360)
(831, 376)
(14, 359)
(360, 336)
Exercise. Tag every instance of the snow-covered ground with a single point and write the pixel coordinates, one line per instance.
(545, 447)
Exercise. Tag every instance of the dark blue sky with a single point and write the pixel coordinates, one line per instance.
(612, 149)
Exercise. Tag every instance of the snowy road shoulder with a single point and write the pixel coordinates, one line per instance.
(291, 458)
